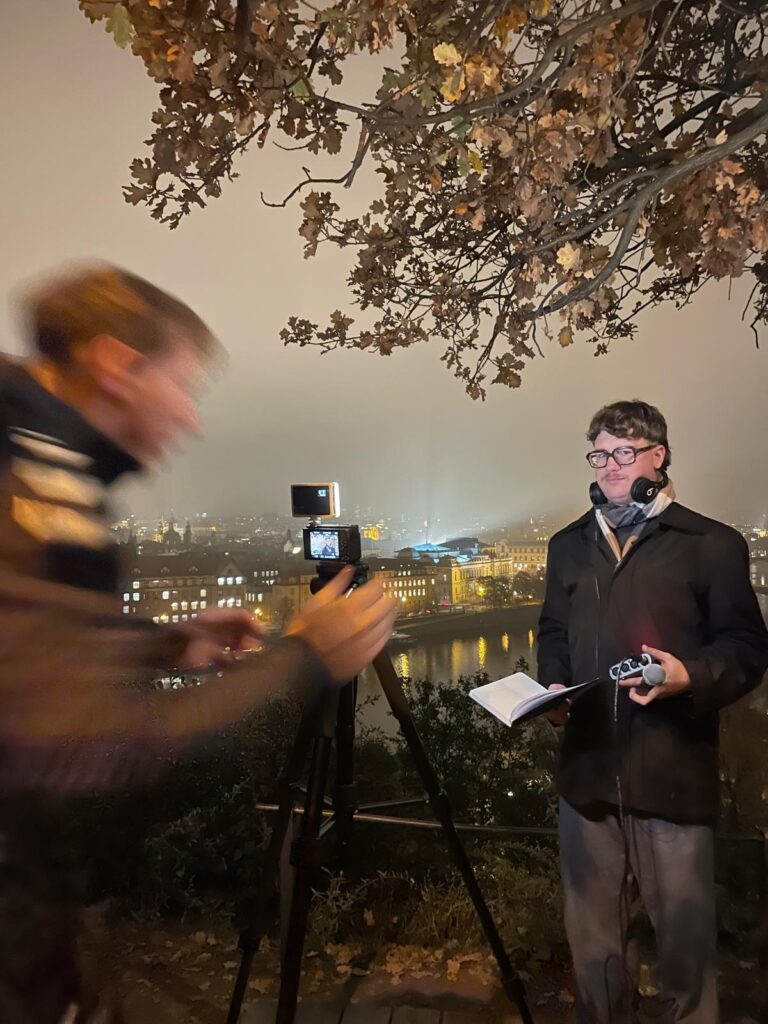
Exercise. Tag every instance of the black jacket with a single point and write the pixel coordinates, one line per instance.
(683, 588)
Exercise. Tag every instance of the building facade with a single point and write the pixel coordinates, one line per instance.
(176, 586)
(417, 585)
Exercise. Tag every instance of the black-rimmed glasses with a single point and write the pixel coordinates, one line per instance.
(625, 456)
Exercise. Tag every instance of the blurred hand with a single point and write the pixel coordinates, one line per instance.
(218, 632)
(677, 679)
(346, 632)
(560, 715)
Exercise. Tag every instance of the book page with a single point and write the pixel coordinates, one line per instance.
(518, 698)
(504, 695)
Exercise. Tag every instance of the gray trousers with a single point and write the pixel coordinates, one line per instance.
(606, 872)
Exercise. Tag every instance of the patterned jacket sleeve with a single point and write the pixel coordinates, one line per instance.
(72, 717)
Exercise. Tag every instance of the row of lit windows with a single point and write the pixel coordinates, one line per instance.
(174, 618)
(188, 581)
(224, 602)
(166, 595)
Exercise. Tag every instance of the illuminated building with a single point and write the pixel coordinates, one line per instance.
(512, 557)
(176, 587)
(416, 585)
(465, 562)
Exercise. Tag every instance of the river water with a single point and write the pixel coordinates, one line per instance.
(444, 657)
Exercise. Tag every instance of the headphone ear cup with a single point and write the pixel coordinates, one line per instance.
(645, 490)
(596, 495)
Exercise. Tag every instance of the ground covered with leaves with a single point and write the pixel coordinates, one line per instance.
(174, 973)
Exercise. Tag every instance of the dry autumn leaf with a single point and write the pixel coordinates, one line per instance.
(569, 256)
(446, 54)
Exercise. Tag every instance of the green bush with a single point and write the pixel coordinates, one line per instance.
(194, 841)
(493, 775)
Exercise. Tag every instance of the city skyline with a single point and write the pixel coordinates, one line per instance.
(269, 524)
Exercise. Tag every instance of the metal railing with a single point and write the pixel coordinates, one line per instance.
(758, 842)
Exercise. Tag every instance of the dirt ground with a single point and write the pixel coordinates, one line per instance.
(184, 974)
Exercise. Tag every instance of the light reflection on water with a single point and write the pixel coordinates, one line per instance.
(442, 659)
(456, 658)
(402, 665)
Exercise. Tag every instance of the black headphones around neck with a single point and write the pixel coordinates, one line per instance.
(643, 490)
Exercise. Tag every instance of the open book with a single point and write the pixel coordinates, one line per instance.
(518, 698)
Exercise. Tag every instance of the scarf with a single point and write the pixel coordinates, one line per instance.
(612, 517)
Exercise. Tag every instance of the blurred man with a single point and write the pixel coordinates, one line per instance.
(638, 776)
(109, 388)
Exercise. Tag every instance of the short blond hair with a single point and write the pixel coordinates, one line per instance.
(75, 307)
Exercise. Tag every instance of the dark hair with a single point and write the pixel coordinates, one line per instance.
(633, 419)
(101, 299)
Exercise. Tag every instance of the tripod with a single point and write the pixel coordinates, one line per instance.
(334, 715)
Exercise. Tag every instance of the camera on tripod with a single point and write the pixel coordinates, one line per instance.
(331, 721)
(324, 543)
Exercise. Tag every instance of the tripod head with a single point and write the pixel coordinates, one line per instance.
(326, 571)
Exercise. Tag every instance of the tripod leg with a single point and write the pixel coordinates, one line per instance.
(345, 790)
(305, 857)
(438, 799)
(260, 916)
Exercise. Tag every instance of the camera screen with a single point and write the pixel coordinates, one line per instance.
(324, 544)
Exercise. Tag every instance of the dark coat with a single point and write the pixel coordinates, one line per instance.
(684, 588)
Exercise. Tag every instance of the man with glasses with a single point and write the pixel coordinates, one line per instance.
(638, 773)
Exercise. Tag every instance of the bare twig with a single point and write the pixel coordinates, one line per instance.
(308, 180)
